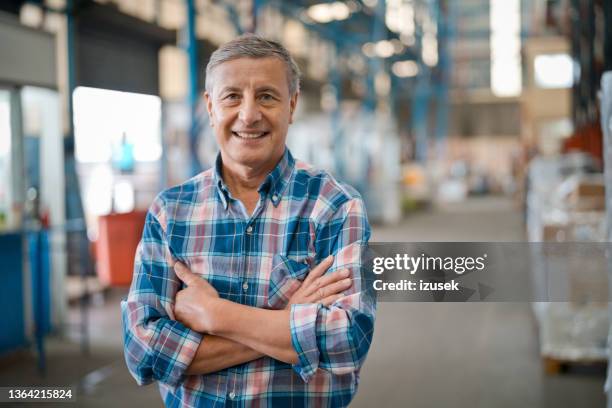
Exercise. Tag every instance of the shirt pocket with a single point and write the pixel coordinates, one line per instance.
(285, 279)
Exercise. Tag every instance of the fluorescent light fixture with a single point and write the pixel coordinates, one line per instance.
(405, 69)
(399, 16)
(340, 11)
(392, 15)
(31, 15)
(328, 12)
(384, 49)
(320, 13)
(368, 50)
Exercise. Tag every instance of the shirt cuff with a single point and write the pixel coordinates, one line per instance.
(176, 348)
(303, 322)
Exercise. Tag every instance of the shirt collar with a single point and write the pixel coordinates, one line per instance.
(274, 185)
(222, 189)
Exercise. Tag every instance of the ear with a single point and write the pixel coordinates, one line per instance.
(292, 105)
(208, 99)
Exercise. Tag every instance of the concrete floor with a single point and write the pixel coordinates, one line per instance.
(423, 354)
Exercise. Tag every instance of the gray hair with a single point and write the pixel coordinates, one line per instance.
(253, 46)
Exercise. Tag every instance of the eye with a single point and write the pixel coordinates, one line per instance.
(266, 97)
(231, 96)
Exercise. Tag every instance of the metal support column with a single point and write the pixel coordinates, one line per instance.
(336, 118)
(608, 35)
(192, 52)
(445, 32)
(77, 243)
(421, 100)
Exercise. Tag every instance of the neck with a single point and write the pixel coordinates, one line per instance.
(243, 180)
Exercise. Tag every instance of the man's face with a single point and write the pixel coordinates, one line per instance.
(250, 109)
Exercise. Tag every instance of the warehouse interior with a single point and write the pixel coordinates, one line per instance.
(471, 120)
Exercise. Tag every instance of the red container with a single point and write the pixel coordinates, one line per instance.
(118, 238)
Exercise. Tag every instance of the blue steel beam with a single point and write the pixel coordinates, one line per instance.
(234, 17)
(445, 18)
(375, 64)
(256, 6)
(192, 53)
(420, 103)
(74, 205)
(338, 139)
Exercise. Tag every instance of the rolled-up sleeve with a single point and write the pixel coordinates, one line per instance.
(156, 347)
(337, 338)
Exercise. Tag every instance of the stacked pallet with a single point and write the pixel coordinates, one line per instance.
(566, 204)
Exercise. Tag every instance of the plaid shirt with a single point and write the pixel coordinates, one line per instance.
(303, 215)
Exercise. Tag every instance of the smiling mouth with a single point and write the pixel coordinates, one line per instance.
(250, 135)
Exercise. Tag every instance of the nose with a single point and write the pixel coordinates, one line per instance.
(249, 112)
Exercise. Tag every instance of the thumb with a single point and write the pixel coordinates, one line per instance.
(184, 274)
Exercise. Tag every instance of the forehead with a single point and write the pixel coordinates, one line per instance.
(246, 73)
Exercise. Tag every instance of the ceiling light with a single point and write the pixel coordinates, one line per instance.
(368, 50)
(339, 10)
(405, 69)
(328, 12)
(384, 49)
(320, 13)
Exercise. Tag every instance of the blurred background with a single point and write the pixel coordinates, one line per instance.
(471, 120)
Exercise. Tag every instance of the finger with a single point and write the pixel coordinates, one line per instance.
(331, 289)
(331, 299)
(321, 294)
(319, 270)
(184, 274)
(334, 277)
(326, 281)
(338, 287)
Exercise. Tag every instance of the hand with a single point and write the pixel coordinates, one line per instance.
(317, 288)
(194, 305)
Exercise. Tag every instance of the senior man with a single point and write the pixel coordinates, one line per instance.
(227, 307)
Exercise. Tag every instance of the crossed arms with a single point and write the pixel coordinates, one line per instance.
(171, 332)
(238, 333)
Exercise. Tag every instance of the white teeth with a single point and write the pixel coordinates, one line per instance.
(245, 135)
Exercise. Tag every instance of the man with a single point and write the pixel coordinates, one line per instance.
(227, 306)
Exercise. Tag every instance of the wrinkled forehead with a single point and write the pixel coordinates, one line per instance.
(250, 74)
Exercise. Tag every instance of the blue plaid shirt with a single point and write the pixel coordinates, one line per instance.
(303, 215)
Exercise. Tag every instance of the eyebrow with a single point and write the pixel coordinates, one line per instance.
(230, 89)
(267, 89)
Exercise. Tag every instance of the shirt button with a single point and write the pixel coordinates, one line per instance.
(245, 286)
(249, 229)
(232, 395)
(274, 197)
